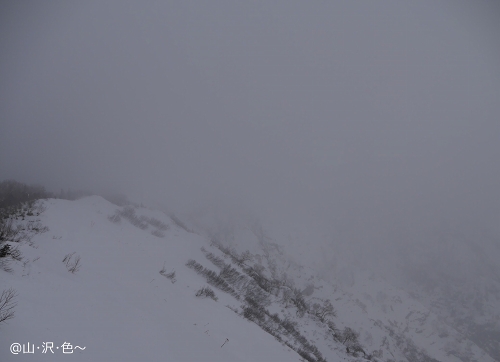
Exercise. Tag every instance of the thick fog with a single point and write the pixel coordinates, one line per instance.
(377, 122)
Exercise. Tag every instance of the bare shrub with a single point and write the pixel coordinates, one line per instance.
(217, 261)
(286, 298)
(40, 207)
(17, 202)
(170, 275)
(158, 224)
(246, 256)
(15, 253)
(212, 278)
(193, 264)
(128, 213)
(5, 251)
(68, 257)
(257, 294)
(72, 264)
(36, 227)
(5, 265)
(349, 338)
(9, 232)
(254, 311)
(7, 304)
(298, 299)
(76, 265)
(206, 292)
(116, 218)
(322, 311)
(14, 232)
(332, 327)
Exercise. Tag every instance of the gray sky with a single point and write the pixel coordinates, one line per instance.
(374, 117)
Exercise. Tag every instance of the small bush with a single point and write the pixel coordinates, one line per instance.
(128, 213)
(15, 253)
(255, 308)
(5, 265)
(260, 296)
(332, 328)
(18, 201)
(68, 257)
(7, 304)
(5, 251)
(170, 276)
(161, 226)
(253, 314)
(217, 261)
(36, 227)
(75, 266)
(323, 311)
(206, 292)
(72, 264)
(116, 218)
(350, 338)
(212, 278)
(9, 232)
(298, 299)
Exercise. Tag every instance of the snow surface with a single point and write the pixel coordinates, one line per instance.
(120, 308)
(117, 305)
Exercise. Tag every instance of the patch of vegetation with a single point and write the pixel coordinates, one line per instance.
(257, 290)
(170, 275)
(323, 311)
(128, 213)
(277, 327)
(142, 222)
(212, 278)
(206, 292)
(72, 262)
(18, 202)
(7, 304)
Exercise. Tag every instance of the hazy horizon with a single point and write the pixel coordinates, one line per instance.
(376, 122)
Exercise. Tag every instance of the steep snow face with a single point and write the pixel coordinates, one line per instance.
(117, 305)
(400, 325)
(133, 296)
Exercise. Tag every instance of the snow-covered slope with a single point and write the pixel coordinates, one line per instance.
(400, 325)
(124, 302)
(117, 305)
